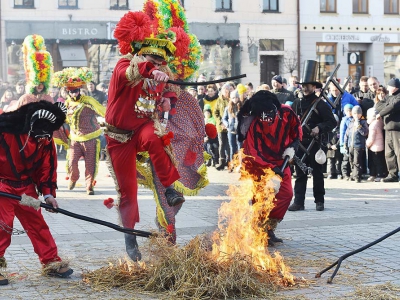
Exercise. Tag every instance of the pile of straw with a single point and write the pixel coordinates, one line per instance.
(187, 272)
(385, 291)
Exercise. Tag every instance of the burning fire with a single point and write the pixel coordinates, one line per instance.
(242, 229)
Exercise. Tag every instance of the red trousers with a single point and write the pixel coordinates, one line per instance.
(31, 220)
(283, 198)
(123, 162)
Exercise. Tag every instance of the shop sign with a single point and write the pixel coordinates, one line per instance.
(360, 37)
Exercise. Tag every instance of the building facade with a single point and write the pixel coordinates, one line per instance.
(253, 37)
(363, 36)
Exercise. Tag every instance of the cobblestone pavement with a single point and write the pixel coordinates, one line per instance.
(356, 214)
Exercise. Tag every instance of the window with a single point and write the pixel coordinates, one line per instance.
(224, 5)
(119, 4)
(272, 45)
(360, 6)
(326, 56)
(391, 6)
(270, 6)
(68, 4)
(24, 4)
(391, 62)
(328, 6)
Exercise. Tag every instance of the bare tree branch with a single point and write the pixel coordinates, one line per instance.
(290, 61)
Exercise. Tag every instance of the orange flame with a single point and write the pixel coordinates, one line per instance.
(242, 226)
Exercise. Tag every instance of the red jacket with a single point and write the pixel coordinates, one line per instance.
(266, 143)
(123, 95)
(37, 162)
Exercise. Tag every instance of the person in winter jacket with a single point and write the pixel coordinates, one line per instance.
(376, 147)
(354, 141)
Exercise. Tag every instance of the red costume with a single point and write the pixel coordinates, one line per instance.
(28, 167)
(21, 173)
(266, 144)
(274, 133)
(130, 111)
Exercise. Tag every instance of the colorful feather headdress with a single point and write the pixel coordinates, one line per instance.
(136, 33)
(170, 14)
(38, 63)
(72, 78)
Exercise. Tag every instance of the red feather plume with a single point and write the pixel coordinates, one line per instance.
(133, 26)
(182, 42)
(109, 203)
(125, 47)
(211, 131)
(151, 11)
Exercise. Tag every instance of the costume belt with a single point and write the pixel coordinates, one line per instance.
(17, 184)
(120, 135)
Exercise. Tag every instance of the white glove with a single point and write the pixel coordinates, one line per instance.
(288, 152)
(274, 183)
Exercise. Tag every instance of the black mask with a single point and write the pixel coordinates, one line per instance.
(41, 130)
(268, 116)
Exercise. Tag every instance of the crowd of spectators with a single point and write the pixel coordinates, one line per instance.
(364, 145)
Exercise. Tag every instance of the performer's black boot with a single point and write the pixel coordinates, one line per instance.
(173, 197)
(3, 280)
(271, 226)
(132, 247)
(3, 264)
(273, 238)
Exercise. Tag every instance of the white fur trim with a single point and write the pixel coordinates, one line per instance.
(288, 152)
(30, 201)
(274, 183)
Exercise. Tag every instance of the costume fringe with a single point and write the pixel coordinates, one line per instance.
(271, 224)
(114, 177)
(206, 156)
(54, 267)
(60, 142)
(202, 183)
(144, 169)
(3, 263)
(86, 137)
(132, 72)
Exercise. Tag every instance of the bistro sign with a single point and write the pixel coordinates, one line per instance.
(360, 37)
(57, 30)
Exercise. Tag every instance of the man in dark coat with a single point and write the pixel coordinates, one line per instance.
(318, 124)
(390, 112)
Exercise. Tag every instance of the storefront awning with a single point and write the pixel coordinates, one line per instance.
(72, 56)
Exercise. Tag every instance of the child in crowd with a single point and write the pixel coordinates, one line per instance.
(333, 154)
(376, 146)
(342, 130)
(210, 145)
(354, 142)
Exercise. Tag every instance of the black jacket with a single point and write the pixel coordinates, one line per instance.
(391, 112)
(367, 101)
(324, 119)
(283, 95)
